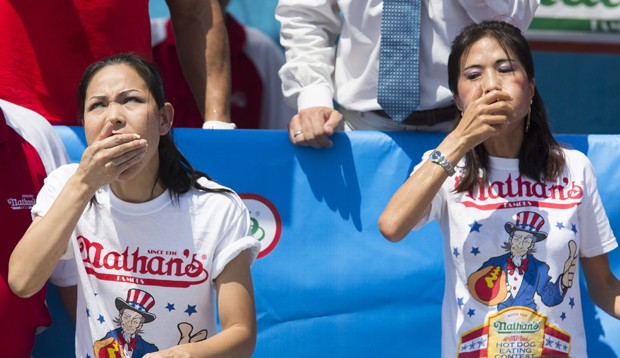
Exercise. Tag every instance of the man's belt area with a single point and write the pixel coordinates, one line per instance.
(428, 117)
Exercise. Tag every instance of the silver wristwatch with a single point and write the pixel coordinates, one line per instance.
(438, 158)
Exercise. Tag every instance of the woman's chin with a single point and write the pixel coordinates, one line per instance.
(129, 173)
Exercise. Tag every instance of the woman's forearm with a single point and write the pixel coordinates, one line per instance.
(37, 253)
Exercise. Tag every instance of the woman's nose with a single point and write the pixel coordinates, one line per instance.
(491, 82)
(115, 113)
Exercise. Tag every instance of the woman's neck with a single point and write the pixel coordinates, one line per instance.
(505, 145)
(133, 192)
(143, 187)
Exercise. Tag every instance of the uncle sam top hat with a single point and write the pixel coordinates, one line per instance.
(528, 221)
(139, 301)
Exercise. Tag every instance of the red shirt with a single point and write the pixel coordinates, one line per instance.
(22, 178)
(46, 45)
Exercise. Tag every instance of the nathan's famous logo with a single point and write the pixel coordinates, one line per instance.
(266, 222)
(502, 194)
(515, 332)
(502, 327)
(26, 202)
(155, 267)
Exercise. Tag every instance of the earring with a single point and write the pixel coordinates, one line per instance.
(527, 123)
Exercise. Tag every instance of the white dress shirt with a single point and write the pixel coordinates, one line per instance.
(332, 47)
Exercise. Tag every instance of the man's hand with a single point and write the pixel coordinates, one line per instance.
(312, 127)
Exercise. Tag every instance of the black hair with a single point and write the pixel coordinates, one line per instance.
(540, 157)
(175, 171)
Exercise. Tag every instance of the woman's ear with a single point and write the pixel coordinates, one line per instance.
(457, 103)
(166, 116)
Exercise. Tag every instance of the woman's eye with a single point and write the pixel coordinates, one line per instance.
(471, 75)
(95, 105)
(133, 99)
(507, 67)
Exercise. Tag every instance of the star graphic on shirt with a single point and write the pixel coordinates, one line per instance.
(87, 355)
(480, 343)
(573, 228)
(475, 251)
(559, 225)
(455, 252)
(558, 344)
(101, 319)
(471, 312)
(571, 302)
(170, 307)
(563, 316)
(474, 226)
(472, 345)
(549, 341)
(459, 301)
(190, 309)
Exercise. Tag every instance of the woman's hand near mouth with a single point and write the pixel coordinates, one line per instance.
(108, 156)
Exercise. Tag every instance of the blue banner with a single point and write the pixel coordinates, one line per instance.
(327, 283)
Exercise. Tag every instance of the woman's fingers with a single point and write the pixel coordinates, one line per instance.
(120, 144)
(495, 96)
(105, 159)
(106, 131)
(126, 159)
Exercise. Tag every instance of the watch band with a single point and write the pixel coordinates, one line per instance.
(438, 158)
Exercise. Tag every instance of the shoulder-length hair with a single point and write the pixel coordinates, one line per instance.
(175, 171)
(540, 157)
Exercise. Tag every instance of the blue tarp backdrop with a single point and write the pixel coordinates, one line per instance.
(327, 284)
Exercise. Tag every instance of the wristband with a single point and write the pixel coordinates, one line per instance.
(218, 125)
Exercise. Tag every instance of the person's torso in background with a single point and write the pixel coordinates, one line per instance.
(47, 45)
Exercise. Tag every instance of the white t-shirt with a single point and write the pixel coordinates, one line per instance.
(158, 258)
(532, 314)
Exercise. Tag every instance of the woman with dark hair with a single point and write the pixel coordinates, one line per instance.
(519, 214)
(153, 239)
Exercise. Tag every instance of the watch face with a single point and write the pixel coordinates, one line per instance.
(435, 155)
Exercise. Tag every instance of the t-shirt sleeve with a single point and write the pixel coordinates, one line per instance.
(65, 274)
(235, 239)
(597, 236)
(52, 186)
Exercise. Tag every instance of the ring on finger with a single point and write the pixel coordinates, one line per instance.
(297, 133)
